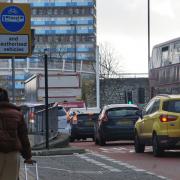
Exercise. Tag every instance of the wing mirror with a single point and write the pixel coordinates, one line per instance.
(139, 113)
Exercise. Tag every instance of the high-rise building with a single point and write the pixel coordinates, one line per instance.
(67, 30)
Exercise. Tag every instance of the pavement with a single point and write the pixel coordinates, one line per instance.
(58, 151)
(57, 146)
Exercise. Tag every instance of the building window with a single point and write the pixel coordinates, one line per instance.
(49, 11)
(77, 11)
(34, 12)
(62, 12)
(165, 56)
(176, 53)
(40, 12)
(55, 11)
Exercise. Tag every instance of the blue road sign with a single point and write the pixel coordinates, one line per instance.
(12, 18)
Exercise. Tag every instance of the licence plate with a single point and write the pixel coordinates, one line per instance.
(89, 123)
(124, 122)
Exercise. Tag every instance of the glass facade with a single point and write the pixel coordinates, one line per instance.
(66, 28)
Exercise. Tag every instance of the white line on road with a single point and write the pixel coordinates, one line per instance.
(71, 171)
(126, 165)
(110, 168)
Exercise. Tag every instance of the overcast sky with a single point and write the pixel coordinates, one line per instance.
(123, 24)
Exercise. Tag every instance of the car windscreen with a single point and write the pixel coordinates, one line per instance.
(61, 111)
(172, 106)
(121, 112)
(85, 117)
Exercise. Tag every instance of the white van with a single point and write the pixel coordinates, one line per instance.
(63, 125)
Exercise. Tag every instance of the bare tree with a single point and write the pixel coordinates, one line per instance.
(110, 65)
(109, 61)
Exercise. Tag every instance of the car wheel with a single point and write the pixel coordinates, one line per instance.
(72, 139)
(101, 140)
(96, 140)
(139, 148)
(157, 150)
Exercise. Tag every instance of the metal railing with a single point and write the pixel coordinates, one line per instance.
(38, 127)
(124, 75)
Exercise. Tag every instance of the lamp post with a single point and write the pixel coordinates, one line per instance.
(46, 96)
(75, 43)
(75, 48)
(148, 31)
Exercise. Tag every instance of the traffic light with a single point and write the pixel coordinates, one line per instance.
(141, 95)
(129, 97)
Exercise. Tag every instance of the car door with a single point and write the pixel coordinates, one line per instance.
(146, 116)
(152, 116)
(63, 124)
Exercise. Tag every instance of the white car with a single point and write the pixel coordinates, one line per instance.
(63, 124)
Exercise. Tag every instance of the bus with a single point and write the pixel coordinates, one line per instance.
(164, 68)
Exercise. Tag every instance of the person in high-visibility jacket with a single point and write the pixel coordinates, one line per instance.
(68, 117)
(74, 118)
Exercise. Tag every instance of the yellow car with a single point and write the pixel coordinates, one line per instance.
(159, 125)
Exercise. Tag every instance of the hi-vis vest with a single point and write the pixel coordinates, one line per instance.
(75, 117)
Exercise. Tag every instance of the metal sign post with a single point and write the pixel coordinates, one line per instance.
(46, 96)
(13, 79)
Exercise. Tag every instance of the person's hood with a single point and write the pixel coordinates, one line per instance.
(8, 105)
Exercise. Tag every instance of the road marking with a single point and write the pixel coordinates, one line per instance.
(126, 165)
(122, 150)
(115, 150)
(110, 168)
(71, 171)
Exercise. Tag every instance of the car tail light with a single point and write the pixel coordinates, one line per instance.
(31, 117)
(167, 118)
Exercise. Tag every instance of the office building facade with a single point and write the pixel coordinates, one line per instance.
(66, 29)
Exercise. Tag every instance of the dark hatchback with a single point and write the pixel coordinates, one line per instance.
(116, 122)
(83, 128)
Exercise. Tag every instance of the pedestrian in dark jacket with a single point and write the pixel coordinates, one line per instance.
(13, 139)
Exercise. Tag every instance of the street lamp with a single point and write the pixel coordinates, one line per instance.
(46, 95)
(148, 31)
(75, 43)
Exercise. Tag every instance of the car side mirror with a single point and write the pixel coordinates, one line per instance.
(139, 113)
